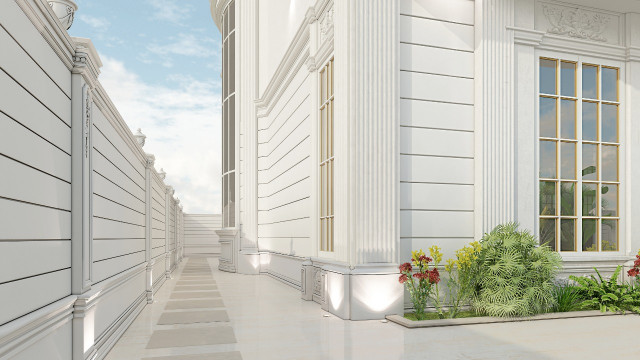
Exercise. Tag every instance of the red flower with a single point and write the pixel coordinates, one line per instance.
(434, 276)
(634, 272)
(425, 258)
(636, 263)
(403, 278)
(406, 267)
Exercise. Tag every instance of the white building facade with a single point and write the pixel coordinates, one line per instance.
(356, 131)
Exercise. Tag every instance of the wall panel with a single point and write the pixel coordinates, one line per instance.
(437, 64)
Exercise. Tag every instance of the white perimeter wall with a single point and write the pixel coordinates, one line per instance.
(200, 236)
(284, 169)
(35, 200)
(437, 124)
(35, 170)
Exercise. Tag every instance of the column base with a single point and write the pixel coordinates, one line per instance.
(228, 250)
(367, 292)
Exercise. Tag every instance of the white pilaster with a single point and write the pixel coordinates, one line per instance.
(632, 138)
(366, 131)
(363, 282)
(148, 224)
(83, 80)
(495, 115)
(167, 210)
(246, 94)
(84, 77)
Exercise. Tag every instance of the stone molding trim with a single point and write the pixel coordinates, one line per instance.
(23, 332)
(46, 22)
(576, 22)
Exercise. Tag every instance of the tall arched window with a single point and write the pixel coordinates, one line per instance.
(228, 117)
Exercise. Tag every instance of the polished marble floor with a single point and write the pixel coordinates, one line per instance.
(269, 321)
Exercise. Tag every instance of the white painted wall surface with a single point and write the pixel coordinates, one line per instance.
(279, 21)
(35, 169)
(437, 124)
(200, 237)
(284, 170)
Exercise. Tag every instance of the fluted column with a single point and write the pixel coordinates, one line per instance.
(495, 127)
(366, 131)
(247, 35)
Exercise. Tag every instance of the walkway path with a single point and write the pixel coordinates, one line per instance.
(268, 320)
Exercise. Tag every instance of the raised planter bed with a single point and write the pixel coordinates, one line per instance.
(490, 320)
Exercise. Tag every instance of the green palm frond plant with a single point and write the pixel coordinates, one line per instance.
(515, 276)
(608, 295)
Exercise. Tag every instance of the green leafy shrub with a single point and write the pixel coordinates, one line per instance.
(608, 295)
(567, 297)
(515, 276)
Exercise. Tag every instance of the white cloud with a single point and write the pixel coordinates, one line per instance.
(182, 124)
(176, 12)
(186, 45)
(98, 23)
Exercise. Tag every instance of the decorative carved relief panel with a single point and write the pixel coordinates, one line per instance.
(578, 22)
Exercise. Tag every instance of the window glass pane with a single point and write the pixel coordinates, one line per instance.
(589, 162)
(232, 63)
(232, 16)
(589, 200)
(547, 198)
(232, 200)
(225, 201)
(323, 190)
(609, 123)
(589, 121)
(567, 235)
(548, 113)
(330, 187)
(548, 233)
(232, 133)
(568, 117)
(568, 79)
(322, 235)
(609, 235)
(323, 85)
(330, 234)
(225, 69)
(568, 160)
(567, 199)
(609, 84)
(548, 76)
(323, 134)
(589, 82)
(609, 199)
(589, 235)
(548, 159)
(609, 163)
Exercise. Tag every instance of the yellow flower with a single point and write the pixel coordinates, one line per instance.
(450, 265)
(436, 254)
(415, 255)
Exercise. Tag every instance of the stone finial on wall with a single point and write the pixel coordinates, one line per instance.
(140, 137)
(64, 10)
(162, 174)
(151, 160)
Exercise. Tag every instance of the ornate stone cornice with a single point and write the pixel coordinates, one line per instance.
(217, 7)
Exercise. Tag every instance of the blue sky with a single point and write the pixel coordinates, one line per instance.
(161, 68)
